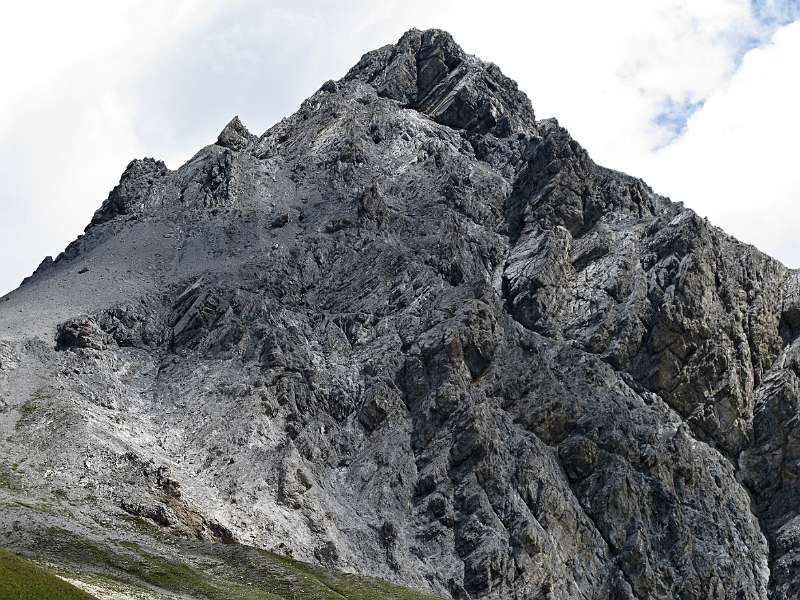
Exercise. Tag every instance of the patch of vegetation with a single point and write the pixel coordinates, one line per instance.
(8, 477)
(175, 577)
(331, 584)
(21, 579)
(31, 405)
(28, 408)
(239, 572)
(131, 569)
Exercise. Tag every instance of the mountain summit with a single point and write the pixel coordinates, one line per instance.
(409, 332)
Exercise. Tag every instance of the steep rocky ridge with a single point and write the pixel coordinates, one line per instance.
(413, 332)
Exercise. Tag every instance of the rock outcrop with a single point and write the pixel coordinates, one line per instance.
(411, 331)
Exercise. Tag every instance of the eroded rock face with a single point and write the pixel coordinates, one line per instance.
(81, 332)
(235, 135)
(413, 332)
(429, 72)
(137, 189)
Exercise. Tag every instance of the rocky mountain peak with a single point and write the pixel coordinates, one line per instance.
(411, 331)
(428, 71)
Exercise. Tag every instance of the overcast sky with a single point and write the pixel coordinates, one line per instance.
(699, 98)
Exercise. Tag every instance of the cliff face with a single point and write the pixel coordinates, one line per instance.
(413, 332)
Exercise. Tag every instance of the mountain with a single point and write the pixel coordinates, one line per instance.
(411, 332)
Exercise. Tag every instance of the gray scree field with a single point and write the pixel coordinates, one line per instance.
(412, 332)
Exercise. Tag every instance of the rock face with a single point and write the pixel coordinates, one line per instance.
(411, 331)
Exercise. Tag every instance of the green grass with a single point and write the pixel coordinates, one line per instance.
(212, 571)
(331, 584)
(27, 408)
(31, 405)
(20, 579)
(10, 477)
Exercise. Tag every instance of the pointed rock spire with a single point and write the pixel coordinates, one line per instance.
(235, 135)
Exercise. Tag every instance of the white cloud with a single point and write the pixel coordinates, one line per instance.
(95, 84)
(737, 162)
(67, 125)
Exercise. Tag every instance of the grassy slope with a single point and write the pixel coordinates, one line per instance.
(21, 579)
(204, 571)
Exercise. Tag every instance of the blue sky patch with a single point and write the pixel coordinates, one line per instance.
(775, 13)
(674, 115)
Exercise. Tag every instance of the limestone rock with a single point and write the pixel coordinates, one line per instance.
(413, 332)
(235, 135)
(81, 332)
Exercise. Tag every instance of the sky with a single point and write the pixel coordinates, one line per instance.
(700, 99)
